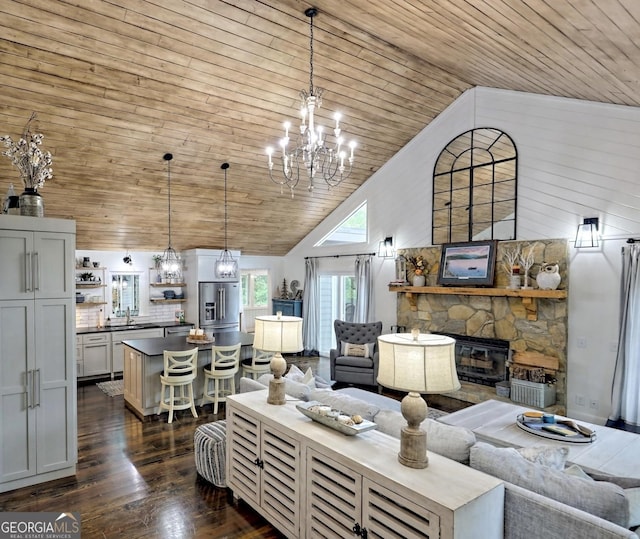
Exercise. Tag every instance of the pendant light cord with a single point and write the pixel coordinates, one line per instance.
(224, 167)
(168, 157)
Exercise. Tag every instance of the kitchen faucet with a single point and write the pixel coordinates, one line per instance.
(129, 321)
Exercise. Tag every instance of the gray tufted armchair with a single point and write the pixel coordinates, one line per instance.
(355, 364)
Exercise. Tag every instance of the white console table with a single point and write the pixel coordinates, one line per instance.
(311, 481)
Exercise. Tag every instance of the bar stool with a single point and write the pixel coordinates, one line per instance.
(259, 363)
(225, 363)
(180, 369)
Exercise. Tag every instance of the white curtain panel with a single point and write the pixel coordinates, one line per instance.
(310, 309)
(364, 291)
(625, 397)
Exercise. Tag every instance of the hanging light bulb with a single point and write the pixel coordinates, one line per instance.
(226, 266)
(170, 261)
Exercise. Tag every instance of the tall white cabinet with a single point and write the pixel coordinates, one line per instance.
(38, 430)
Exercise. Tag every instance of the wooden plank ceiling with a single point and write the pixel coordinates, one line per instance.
(118, 83)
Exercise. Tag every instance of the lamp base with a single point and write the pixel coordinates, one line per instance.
(413, 448)
(277, 384)
(276, 391)
(413, 440)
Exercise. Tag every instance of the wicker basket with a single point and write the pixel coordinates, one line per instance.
(533, 393)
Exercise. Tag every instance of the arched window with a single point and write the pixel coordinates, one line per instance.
(475, 188)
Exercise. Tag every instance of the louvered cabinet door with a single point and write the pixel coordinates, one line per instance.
(333, 501)
(281, 480)
(387, 515)
(243, 451)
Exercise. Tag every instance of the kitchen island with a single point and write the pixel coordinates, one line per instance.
(144, 362)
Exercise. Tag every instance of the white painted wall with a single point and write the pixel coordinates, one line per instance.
(576, 159)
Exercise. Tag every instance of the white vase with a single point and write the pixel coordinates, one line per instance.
(548, 278)
(419, 280)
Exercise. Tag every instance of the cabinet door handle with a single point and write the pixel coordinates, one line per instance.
(28, 275)
(36, 388)
(36, 271)
(29, 376)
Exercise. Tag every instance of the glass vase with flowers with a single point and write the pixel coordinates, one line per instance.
(33, 164)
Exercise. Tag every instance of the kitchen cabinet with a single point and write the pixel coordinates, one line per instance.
(312, 481)
(288, 307)
(35, 263)
(117, 348)
(38, 435)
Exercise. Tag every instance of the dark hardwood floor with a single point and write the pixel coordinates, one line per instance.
(138, 479)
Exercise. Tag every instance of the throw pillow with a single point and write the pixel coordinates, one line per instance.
(547, 455)
(344, 403)
(603, 499)
(296, 390)
(294, 373)
(357, 350)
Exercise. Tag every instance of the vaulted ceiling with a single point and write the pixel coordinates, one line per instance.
(118, 83)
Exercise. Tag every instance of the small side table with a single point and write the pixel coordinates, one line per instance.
(288, 307)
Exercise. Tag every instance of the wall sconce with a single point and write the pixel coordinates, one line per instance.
(385, 248)
(587, 235)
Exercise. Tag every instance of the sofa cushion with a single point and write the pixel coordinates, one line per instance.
(547, 455)
(345, 403)
(446, 440)
(631, 489)
(601, 499)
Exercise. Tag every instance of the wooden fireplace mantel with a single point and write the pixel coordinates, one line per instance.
(529, 296)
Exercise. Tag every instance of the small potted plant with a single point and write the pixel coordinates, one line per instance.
(419, 268)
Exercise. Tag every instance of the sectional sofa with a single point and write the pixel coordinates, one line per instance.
(593, 509)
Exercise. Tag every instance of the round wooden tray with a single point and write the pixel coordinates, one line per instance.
(199, 341)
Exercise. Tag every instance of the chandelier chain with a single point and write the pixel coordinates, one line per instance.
(311, 55)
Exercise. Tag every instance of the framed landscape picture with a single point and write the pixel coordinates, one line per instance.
(468, 263)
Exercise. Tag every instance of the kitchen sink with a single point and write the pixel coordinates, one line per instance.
(131, 326)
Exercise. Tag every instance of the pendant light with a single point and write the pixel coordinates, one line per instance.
(226, 267)
(170, 260)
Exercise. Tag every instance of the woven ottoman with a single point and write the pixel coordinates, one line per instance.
(209, 443)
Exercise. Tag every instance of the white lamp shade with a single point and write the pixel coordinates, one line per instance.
(425, 365)
(273, 334)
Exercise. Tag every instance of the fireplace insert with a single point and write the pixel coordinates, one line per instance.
(481, 360)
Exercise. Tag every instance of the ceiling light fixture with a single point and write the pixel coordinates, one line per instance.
(311, 150)
(226, 267)
(170, 260)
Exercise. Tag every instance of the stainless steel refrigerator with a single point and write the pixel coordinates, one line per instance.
(219, 306)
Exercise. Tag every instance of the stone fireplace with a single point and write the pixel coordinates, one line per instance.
(538, 326)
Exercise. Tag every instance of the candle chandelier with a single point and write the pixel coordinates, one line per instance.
(311, 151)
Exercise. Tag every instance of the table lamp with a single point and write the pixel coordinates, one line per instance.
(417, 363)
(277, 333)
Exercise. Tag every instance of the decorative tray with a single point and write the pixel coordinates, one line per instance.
(200, 341)
(563, 430)
(333, 422)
